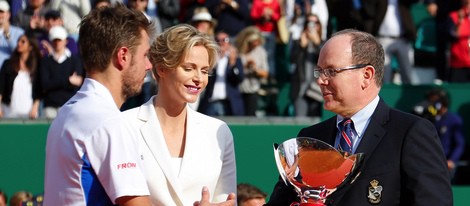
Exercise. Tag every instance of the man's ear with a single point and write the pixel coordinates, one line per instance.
(368, 76)
(123, 58)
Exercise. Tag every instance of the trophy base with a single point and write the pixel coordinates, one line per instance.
(307, 204)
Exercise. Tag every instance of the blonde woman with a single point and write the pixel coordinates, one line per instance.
(183, 150)
(250, 43)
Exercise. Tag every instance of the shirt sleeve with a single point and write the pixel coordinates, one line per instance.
(113, 154)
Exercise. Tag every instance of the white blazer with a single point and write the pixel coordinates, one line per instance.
(208, 160)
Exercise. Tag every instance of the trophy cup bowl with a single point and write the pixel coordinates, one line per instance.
(315, 169)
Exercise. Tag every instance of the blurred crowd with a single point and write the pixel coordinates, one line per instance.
(265, 46)
(247, 195)
(20, 198)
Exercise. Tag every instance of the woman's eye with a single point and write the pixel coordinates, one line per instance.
(188, 68)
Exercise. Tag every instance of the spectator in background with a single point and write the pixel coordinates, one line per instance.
(3, 198)
(16, 6)
(250, 195)
(19, 91)
(396, 33)
(19, 197)
(31, 19)
(202, 20)
(320, 8)
(296, 22)
(255, 66)
(265, 14)
(141, 5)
(305, 92)
(73, 11)
(168, 12)
(232, 15)
(9, 34)
(149, 87)
(222, 96)
(61, 73)
(459, 30)
(440, 10)
(363, 15)
(449, 125)
(151, 9)
(100, 4)
(34, 201)
(53, 18)
(187, 9)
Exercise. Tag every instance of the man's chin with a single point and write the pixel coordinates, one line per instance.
(128, 93)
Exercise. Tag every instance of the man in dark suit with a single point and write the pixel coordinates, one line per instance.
(222, 96)
(403, 154)
(364, 15)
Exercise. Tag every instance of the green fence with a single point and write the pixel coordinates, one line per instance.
(22, 156)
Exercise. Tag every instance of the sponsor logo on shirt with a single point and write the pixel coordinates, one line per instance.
(128, 165)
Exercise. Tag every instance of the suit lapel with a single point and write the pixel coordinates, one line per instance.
(324, 131)
(193, 144)
(329, 133)
(375, 130)
(153, 137)
(373, 135)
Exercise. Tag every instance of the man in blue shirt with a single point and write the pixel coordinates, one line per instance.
(9, 34)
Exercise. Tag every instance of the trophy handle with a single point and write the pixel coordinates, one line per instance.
(279, 164)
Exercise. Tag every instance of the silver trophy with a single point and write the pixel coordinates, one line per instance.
(315, 168)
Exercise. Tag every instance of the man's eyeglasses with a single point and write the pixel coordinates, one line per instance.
(328, 73)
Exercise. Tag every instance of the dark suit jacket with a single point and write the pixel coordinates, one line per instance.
(370, 17)
(367, 19)
(402, 152)
(409, 28)
(230, 20)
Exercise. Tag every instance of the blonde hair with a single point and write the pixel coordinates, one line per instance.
(170, 48)
(245, 36)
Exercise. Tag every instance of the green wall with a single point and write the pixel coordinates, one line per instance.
(22, 156)
(255, 153)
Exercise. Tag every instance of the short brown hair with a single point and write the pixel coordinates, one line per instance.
(103, 31)
(247, 192)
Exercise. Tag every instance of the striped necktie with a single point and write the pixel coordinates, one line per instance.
(345, 141)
